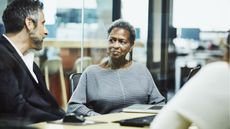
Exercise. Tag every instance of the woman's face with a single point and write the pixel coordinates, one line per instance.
(119, 44)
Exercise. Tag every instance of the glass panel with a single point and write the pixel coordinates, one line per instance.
(139, 19)
(66, 31)
(72, 36)
(96, 33)
(207, 15)
(201, 32)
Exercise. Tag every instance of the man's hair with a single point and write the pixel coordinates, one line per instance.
(124, 25)
(17, 11)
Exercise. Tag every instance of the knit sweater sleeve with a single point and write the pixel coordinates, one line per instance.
(78, 100)
(155, 96)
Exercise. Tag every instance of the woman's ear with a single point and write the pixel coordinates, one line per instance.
(131, 48)
(29, 23)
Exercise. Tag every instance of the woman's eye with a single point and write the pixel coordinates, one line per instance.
(123, 42)
(111, 40)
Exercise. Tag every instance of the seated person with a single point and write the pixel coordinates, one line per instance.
(203, 100)
(117, 82)
(23, 93)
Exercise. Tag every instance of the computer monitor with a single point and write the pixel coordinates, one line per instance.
(190, 33)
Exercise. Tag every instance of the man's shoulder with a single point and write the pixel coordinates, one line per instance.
(3, 43)
(2, 39)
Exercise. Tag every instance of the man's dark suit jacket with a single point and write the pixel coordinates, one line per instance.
(20, 95)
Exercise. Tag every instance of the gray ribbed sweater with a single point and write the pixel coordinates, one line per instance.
(102, 91)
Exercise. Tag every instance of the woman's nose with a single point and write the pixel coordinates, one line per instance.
(116, 44)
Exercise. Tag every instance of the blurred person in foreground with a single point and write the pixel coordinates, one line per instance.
(117, 82)
(23, 92)
(204, 100)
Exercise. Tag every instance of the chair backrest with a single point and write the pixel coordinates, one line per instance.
(74, 79)
(188, 72)
(53, 66)
(86, 61)
(193, 71)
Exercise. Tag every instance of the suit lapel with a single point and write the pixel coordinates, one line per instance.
(17, 57)
(22, 63)
(42, 85)
(39, 75)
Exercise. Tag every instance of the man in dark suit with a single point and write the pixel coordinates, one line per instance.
(23, 93)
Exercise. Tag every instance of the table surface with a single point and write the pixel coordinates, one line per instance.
(106, 119)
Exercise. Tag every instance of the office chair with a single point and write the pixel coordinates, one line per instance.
(187, 73)
(193, 71)
(74, 79)
(86, 61)
(53, 66)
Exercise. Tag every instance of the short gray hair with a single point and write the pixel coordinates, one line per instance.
(120, 23)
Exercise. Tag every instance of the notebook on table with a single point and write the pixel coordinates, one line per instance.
(143, 108)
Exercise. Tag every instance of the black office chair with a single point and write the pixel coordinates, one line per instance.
(193, 71)
(187, 73)
(74, 79)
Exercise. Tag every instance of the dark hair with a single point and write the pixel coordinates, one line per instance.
(124, 25)
(227, 52)
(228, 40)
(16, 12)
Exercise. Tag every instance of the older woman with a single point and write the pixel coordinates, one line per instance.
(117, 82)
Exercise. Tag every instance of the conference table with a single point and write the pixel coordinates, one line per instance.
(102, 122)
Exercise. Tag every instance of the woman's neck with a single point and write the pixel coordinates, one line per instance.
(116, 64)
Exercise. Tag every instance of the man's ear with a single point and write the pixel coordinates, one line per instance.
(29, 23)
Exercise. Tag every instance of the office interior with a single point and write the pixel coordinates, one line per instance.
(172, 37)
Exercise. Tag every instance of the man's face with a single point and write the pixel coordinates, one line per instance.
(37, 34)
(119, 44)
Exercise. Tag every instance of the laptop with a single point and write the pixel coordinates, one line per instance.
(143, 108)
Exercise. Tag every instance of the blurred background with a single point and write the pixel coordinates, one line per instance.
(173, 37)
